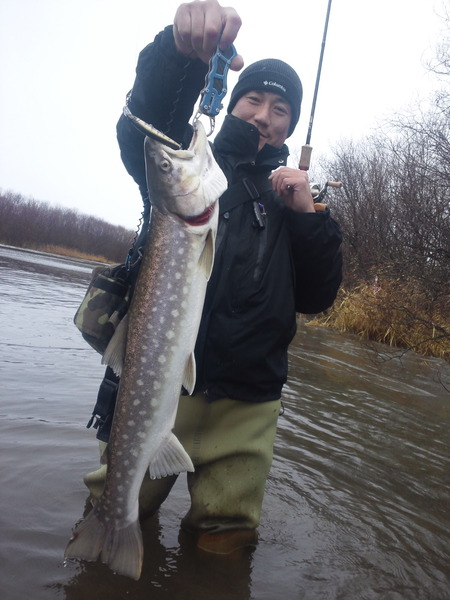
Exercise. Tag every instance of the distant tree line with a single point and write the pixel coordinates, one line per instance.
(29, 223)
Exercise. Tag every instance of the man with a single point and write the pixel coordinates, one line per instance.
(275, 256)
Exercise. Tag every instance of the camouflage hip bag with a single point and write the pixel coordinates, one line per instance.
(104, 305)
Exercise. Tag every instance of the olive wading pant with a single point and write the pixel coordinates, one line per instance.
(231, 445)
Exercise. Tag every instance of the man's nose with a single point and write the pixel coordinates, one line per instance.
(262, 115)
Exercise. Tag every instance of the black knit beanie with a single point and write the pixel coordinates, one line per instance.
(271, 75)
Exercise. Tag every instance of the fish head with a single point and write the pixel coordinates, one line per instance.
(184, 183)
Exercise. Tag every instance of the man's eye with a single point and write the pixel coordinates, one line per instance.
(282, 110)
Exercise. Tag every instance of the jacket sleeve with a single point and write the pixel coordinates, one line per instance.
(316, 249)
(165, 90)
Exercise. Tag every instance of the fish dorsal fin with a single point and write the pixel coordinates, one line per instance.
(171, 459)
(206, 260)
(114, 355)
(190, 374)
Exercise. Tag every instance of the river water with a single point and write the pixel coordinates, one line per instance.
(357, 503)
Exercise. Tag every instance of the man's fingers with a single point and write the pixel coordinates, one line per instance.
(231, 23)
(237, 63)
(199, 25)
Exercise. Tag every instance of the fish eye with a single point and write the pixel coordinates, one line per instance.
(164, 165)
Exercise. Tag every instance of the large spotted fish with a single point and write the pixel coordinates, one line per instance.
(157, 358)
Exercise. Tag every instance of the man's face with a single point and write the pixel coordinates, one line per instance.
(268, 112)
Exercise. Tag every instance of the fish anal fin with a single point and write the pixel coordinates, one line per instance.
(206, 260)
(171, 459)
(114, 354)
(190, 374)
(121, 549)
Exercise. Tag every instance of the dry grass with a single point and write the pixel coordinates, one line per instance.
(70, 252)
(398, 313)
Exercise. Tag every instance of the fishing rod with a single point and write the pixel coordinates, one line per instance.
(305, 156)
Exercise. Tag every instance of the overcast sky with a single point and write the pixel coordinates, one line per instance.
(66, 66)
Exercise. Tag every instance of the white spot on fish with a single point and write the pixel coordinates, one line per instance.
(141, 434)
(131, 423)
(124, 436)
(162, 359)
(156, 385)
(136, 402)
(180, 251)
(170, 335)
(143, 359)
(175, 313)
(153, 402)
(140, 382)
(177, 275)
(162, 319)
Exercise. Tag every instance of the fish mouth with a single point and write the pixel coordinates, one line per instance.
(202, 218)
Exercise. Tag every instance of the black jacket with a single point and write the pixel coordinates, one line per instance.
(270, 262)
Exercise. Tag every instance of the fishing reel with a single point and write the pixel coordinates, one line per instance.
(319, 193)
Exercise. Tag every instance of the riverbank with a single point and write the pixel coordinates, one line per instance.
(61, 251)
(399, 313)
(33, 224)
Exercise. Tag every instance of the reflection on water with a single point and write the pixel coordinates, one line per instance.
(357, 504)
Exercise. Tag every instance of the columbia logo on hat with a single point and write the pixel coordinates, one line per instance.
(275, 84)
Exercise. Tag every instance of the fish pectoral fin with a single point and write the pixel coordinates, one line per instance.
(114, 355)
(171, 459)
(120, 548)
(190, 374)
(206, 260)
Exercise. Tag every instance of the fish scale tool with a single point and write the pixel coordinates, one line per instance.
(215, 89)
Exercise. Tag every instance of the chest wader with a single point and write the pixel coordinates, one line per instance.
(230, 443)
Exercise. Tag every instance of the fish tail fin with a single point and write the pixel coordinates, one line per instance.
(171, 459)
(124, 551)
(121, 549)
